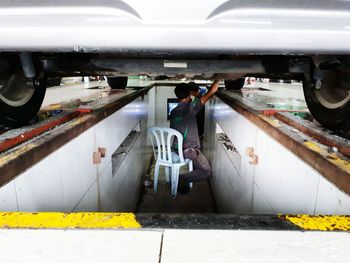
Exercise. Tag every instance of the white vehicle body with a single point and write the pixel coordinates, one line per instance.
(267, 26)
(302, 39)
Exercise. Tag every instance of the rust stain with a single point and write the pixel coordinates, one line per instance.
(14, 141)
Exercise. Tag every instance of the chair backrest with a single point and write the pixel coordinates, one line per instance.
(162, 139)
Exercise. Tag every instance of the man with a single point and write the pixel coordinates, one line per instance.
(183, 119)
(198, 92)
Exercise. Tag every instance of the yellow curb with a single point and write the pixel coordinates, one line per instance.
(323, 223)
(68, 220)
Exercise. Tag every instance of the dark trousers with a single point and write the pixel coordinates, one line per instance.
(201, 167)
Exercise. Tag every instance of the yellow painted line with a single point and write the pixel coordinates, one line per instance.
(321, 223)
(13, 155)
(68, 220)
(331, 157)
(273, 122)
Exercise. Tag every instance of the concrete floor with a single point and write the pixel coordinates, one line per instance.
(166, 246)
(198, 200)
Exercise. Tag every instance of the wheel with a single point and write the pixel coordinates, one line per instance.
(234, 84)
(18, 102)
(330, 103)
(117, 82)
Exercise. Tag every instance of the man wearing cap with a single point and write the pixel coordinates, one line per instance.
(183, 119)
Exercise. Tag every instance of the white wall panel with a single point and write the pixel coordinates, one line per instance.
(67, 179)
(121, 191)
(41, 188)
(89, 201)
(151, 97)
(77, 169)
(111, 188)
(111, 132)
(108, 187)
(162, 93)
(299, 185)
(8, 199)
(260, 204)
(268, 171)
(130, 172)
(279, 183)
(330, 200)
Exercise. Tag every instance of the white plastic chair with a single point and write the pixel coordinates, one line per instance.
(162, 139)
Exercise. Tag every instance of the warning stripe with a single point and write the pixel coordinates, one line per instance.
(55, 220)
(87, 220)
(321, 223)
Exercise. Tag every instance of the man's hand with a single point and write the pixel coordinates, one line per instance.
(213, 88)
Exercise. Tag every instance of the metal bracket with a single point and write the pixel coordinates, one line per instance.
(28, 68)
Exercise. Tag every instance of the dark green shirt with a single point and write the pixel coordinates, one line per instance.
(183, 119)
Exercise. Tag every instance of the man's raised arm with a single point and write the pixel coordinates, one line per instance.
(213, 88)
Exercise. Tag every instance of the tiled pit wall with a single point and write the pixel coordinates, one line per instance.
(279, 183)
(67, 180)
(162, 93)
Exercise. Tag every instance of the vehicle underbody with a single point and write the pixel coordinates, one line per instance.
(325, 78)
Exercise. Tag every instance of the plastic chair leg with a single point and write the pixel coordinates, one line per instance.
(190, 168)
(156, 174)
(172, 181)
(167, 174)
(175, 181)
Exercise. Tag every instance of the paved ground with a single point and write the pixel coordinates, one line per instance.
(198, 200)
(168, 246)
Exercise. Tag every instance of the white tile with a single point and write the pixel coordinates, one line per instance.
(110, 133)
(211, 246)
(107, 189)
(298, 186)
(260, 203)
(40, 188)
(151, 107)
(77, 168)
(89, 201)
(43, 246)
(161, 110)
(268, 171)
(125, 182)
(8, 199)
(164, 92)
(330, 200)
(129, 179)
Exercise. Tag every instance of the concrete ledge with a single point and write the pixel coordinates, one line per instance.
(53, 220)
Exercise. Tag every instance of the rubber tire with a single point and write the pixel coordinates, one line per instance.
(117, 82)
(234, 84)
(335, 119)
(11, 116)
